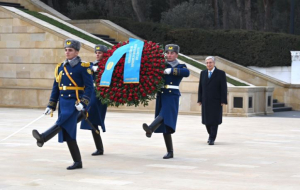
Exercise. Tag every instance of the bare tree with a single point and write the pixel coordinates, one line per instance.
(248, 14)
(226, 5)
(50, 3)
(268, 20)
(172, 3)
(292, 17)
(138, 10)
(110, 7)
(216, 14)
(240, 12)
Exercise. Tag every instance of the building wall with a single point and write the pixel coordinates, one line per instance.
(28, 56)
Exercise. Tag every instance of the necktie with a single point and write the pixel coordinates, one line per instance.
(209, 74)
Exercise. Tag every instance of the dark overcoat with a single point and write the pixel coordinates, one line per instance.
(67, 113)
(96, 110)
(167, 101)
(212, 93)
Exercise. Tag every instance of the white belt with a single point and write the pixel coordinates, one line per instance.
(171, 87)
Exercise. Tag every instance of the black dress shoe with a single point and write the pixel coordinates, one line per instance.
(97, 152)
(211, 143)
(208, 140)
(76, 165)
(168, 155)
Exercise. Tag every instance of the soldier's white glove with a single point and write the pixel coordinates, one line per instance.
(95, 68)
(47, 111)
(79, 106)
(167, 71)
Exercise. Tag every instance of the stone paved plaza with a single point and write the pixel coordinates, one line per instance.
(258, 153)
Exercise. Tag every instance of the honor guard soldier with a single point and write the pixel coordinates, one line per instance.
(72, 88)
(167, 101)
(96, 110)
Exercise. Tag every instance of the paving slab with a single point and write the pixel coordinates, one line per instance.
(255, 153)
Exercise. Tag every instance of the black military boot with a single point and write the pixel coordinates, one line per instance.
(153, 126)
(98, 143)
(74, 150)
(169, 145)
(47, 135)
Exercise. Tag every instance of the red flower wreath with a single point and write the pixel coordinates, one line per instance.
(151, 78)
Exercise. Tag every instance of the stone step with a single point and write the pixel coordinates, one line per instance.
(280, 109)
(278, 105)
(101, 35)
(16, 5)
(106, 38)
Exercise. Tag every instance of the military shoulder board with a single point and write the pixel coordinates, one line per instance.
(85, 64)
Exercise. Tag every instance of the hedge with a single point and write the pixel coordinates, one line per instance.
(247, 48)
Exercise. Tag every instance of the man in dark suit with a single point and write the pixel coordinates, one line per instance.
(212, 95)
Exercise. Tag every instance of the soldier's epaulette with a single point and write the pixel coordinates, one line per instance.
(56, 70)
(85, 64)
(59, 64)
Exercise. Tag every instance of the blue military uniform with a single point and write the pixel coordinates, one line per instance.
(72, 88)
(96, 110)
(63, 91)
(167, 101)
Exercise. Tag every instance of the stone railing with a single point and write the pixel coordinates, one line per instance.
(106, 27)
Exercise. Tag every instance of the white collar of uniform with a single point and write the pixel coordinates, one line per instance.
(71, 59)
(212, 70)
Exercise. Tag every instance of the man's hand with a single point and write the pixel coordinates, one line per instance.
(222, 104)
(94, 68)
(48, 111)
(79, 106)
(167, 71)
(199, 103)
